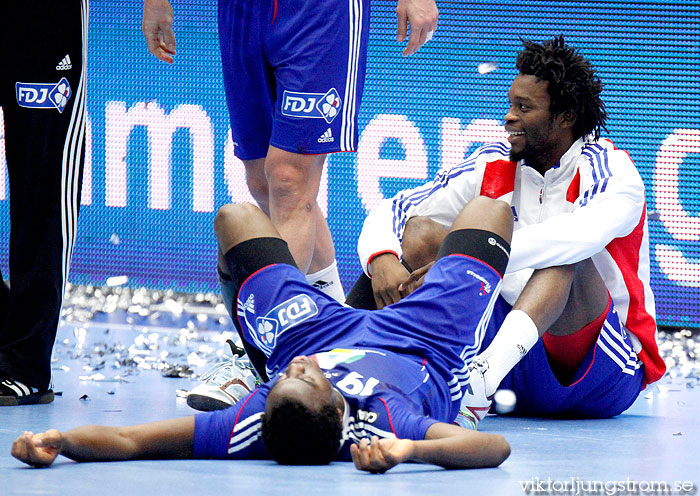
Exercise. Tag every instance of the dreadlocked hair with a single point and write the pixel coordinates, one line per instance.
(293, 434)
(573, 85)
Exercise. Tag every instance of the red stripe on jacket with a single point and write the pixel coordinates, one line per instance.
(574, 188)
(498, 179)
(625, 253)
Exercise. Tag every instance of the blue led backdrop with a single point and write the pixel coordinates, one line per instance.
(160, 161)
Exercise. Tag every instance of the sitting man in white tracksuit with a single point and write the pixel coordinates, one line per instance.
(578, 275)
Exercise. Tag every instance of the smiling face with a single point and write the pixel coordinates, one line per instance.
(303, 381)
(533, 132)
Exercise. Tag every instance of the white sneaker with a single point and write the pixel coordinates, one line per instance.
(475, 405)
(225, 383)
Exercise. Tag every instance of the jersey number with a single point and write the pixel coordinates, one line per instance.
(353, 384)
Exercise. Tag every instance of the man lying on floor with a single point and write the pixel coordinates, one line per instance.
(375, 387)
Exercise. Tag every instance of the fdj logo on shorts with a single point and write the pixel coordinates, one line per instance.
(43, 95)
(312, 105)
(281, 318)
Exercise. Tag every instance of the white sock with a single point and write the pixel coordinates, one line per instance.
(514, 339)
(328, 281)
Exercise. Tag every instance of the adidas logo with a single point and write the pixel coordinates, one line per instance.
(321, 284)
(327, 137)
(64, 64)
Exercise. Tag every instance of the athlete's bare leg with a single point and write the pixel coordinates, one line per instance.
(559, 301)
(422, 238)
(236, 223)
(285, 185)
(488, 215)
(562, 300)
(257, 182)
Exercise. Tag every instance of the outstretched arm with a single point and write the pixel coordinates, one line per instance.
(446, 445)
(91, 443)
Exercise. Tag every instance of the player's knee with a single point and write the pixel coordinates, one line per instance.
(487, 214)
(285, 186)
(421, 241)
(586, 273)
(229, 216)
(488, 206)
(287, 179)
(479, 206)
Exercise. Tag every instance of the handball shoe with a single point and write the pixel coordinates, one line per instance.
(226, 383)
(475, 405)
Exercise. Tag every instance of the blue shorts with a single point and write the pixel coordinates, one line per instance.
(294, 72)
(606, 383)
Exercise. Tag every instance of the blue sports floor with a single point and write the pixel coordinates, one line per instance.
(651, 449)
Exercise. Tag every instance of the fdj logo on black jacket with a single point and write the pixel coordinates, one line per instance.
(43, 95)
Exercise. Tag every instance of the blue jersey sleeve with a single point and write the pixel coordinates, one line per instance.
(404, 422)
(233, 433)
(386, 415)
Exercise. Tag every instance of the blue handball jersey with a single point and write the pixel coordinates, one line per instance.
(400, 369)
(386, 395)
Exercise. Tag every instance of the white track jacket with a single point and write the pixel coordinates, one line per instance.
(591, 205)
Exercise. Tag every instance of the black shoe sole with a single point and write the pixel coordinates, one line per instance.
(205, 403)
(40, 398)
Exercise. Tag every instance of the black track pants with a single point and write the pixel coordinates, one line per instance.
(42, 93)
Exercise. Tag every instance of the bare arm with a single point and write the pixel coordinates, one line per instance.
(451, 446)
(157, 440)
(446, 445)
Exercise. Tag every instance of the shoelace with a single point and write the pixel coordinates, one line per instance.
(219, 373)
(213, 373)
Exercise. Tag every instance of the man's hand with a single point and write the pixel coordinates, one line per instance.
(422, 16)
(381, 455)
(38, 450)
(157, 27)
(414, 281)
(387, 274)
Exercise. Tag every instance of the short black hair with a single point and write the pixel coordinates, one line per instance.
(573, 84)
(294, 434)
